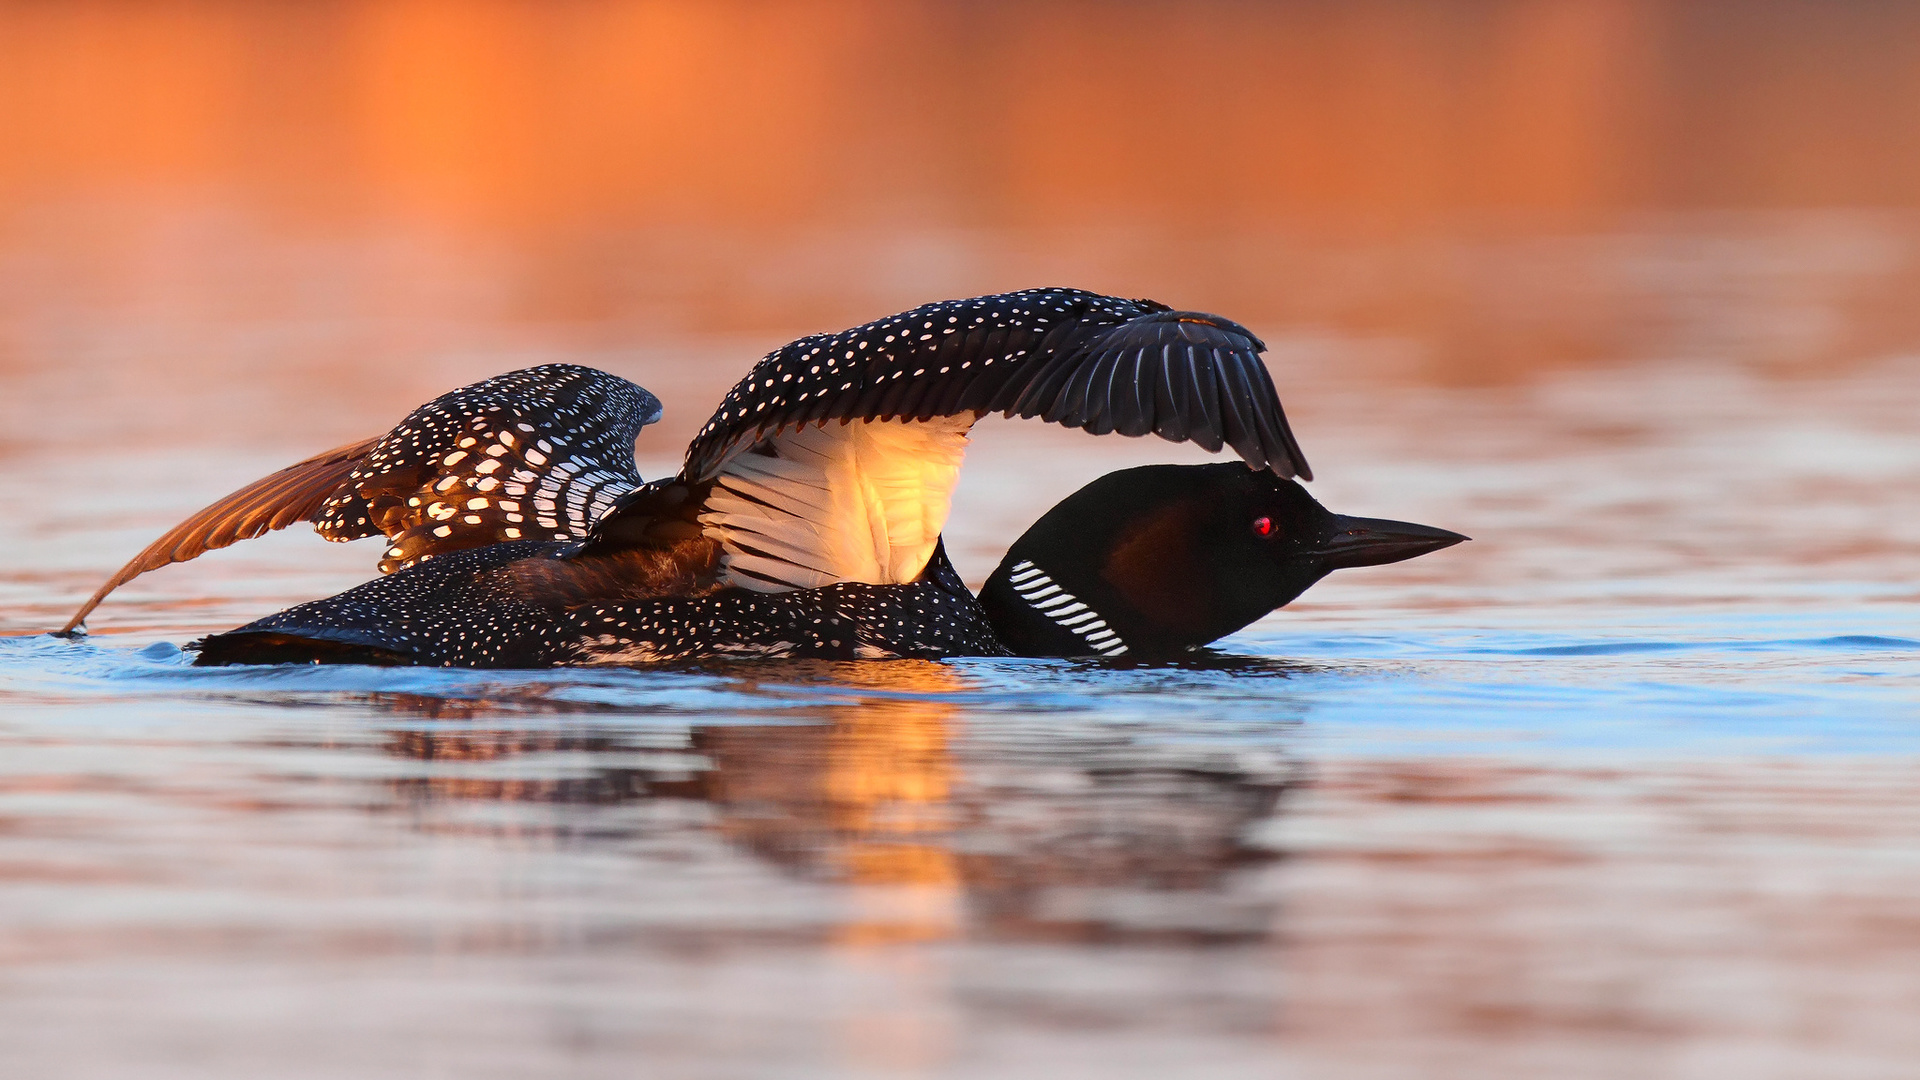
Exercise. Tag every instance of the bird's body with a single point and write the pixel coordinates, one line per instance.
(500, 607)
(807, 518)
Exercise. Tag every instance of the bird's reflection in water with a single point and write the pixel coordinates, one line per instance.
(949, 820)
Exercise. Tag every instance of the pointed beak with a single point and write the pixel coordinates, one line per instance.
(1375, 541)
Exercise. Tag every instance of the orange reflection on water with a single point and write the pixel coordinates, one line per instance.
(863, 798)
(858, 791)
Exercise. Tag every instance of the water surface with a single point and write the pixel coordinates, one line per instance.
(1624, 785)
(1624, 289)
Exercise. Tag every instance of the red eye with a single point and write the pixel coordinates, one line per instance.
(1263, 526)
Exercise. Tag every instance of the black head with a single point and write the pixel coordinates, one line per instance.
(1169, 557)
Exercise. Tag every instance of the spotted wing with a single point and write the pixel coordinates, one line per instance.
(797, 500)
(1069, 357)
(535, 454)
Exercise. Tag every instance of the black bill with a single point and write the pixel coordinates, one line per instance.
(1373, 541)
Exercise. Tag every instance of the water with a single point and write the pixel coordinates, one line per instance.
(1623, 786)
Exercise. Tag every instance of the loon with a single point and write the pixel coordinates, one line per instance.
(806, 520)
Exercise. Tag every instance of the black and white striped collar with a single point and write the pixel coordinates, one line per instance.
(1063, 608)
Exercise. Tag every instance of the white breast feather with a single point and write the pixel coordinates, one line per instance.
(839, 502)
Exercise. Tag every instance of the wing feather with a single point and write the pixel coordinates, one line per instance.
(836, 502)
(1172, 393)
(295, 493)
(1274, 423)
(913, 399)
(1241, 432)
(981, 382)
(1137, 419)
(1206, 400)
(1072, 404)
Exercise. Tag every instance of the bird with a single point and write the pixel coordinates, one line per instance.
(1148, 562)
(806, 519)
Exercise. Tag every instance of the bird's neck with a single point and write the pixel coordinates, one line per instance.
(1034, 613)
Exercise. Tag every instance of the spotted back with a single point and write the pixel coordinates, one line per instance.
(535, 454)
(493, 607)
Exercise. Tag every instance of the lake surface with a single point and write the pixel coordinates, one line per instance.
(1626, 786)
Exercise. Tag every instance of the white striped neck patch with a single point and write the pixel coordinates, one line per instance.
(1065, 609)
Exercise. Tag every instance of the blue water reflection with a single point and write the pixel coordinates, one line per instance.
(1819, 683)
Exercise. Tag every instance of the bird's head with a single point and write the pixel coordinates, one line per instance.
(1163, 558)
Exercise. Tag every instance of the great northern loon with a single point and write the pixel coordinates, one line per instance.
(806, 520)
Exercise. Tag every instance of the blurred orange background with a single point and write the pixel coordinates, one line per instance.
(588, 115)
(1466, 191)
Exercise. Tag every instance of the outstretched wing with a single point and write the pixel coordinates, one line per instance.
(535, 454)
(797, 500)
(295, 493)
(1067, 356)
